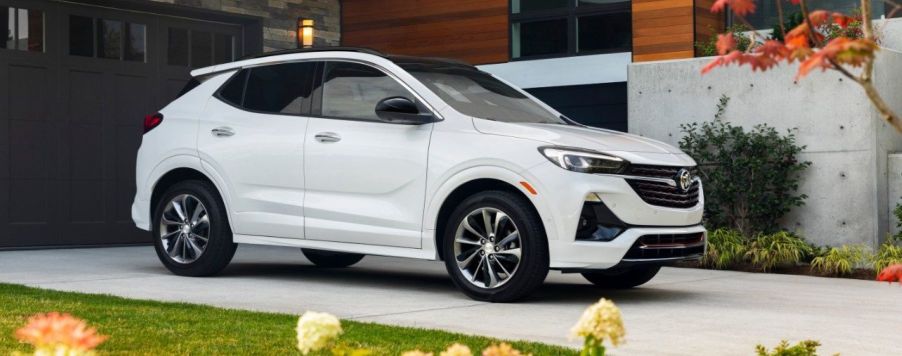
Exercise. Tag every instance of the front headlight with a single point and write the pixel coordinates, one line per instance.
(583, 161)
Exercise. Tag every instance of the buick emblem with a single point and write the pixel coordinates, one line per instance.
(684, 179)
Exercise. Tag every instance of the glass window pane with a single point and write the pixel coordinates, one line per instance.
(32, 30)
(352, 90)
(135, 42)
(519, 6)
(201, 49)
(177, 47)
(604, 32)
(81, 36)
(281, 88)
(540, 38)
(109, 39)
(8, 21)
(223, 47)
(233, 91)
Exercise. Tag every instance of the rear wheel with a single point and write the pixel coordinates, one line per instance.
(623, 279)
(495, 248)
(331, 259)
(191, 230)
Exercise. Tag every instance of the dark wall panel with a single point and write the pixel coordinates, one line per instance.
(599, 105)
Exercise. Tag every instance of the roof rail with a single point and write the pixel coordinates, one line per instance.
(317, 49)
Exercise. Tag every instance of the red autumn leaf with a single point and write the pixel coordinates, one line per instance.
(797, 37)
(891, 274)
(818, 17)
(725, 43)
(795, 2)
(842, 20)
(724, 60)
(840, 50)
(739, 7)
(774, 49)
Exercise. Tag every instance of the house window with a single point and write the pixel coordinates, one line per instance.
(766, 14)
(558, 28)
(24, 29)
(192, 48)
(109, 39)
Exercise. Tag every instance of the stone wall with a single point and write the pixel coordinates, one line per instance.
(280, 18)
(848, 145)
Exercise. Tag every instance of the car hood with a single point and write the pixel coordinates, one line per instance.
(631, 147)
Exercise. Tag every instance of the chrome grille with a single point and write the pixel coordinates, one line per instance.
(667, 246)
(660, 193)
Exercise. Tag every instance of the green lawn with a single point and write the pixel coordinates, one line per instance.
(146, 327)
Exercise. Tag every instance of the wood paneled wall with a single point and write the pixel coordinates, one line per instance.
(475, 31)
(662, 29)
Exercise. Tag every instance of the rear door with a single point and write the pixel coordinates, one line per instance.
(365, 179)
(252, 136)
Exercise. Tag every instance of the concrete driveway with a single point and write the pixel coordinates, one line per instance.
(681, 312)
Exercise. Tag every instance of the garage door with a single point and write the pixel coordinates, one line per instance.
(75, 83)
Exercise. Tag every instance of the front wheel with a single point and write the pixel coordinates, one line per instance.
(494, 247)
(623, 279)
(191, 230)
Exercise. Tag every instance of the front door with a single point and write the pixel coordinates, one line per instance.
(252, 135)
(365, 179)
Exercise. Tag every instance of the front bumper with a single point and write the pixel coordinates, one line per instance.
(565, 194)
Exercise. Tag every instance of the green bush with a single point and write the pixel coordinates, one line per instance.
(783, 248)
(709, 47)
(888, 254)
(804, 348)
(840, 261)
(725, 248)
(750, 177)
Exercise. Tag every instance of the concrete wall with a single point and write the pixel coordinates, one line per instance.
(280, 18)
(894, 185)
(846, 143)
(889, 33)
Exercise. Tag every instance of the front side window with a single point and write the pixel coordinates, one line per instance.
(557, 28)
(478, 94)
(352, 90)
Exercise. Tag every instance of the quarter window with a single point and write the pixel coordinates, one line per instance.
(352, 90)
(556, 28)
(24, 29)
(233, 91)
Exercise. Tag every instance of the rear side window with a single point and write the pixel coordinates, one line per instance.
(352, 90)
(277, 89)
(280, 88)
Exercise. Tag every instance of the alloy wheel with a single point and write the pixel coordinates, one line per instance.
(185, 228)
(487, 248)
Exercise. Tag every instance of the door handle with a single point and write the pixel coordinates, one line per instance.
(222, 131)
(327, 137)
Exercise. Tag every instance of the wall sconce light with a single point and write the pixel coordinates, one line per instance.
(305, 33)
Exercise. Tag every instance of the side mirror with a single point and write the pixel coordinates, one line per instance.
(400, 110)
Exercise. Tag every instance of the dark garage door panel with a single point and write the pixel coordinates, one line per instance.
(70, 128)
(599, 105)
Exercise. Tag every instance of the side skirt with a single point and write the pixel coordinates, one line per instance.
(422, 254)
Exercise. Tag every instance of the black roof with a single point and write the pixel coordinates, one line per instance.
(398, 59)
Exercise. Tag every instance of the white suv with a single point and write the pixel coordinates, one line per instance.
(347, 152)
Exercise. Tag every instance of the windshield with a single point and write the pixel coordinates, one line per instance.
(478, 94)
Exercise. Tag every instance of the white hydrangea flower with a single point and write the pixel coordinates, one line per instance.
(317, 331)
(601, 321)
(457, 350)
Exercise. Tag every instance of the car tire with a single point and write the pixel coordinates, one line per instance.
(330, 259)
(177, 247)
(515, 276)
(623, 279)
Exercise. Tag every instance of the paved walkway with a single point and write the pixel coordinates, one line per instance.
(681, 312)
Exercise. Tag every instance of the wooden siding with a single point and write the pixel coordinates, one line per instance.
(475, 31)
(662, 29)
(706, 23)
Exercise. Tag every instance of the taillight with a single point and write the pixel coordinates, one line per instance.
(151, 121)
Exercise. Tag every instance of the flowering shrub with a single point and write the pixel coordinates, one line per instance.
(60, 335)
(891, 274)
(316, 331)
(502, 349)
(600, 322)
(804, 348)
(457, 350)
